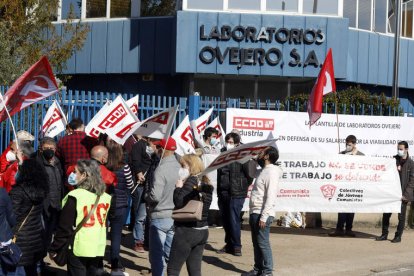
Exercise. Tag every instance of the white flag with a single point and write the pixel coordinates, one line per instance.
(184, 138)
(133, 104)
(240, 154)
(216, 124)
(122, 132)
(199, 125)
(111, 115)
(54, 122)
(158, 125)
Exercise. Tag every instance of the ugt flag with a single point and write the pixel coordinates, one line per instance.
(325, 84)
(54, 122)
(37, 83)
(184, 138)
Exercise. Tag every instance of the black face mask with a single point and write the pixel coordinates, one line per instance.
(48, 154)
(261, 162)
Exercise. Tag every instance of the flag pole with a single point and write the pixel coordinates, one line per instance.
(169, 128)
(337, 120)
(11, 121)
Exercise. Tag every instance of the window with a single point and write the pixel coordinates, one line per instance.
(329, 7)
(120, 8)
(244, 4)
(407, 19)
(350, 12)
(391, 16)
(75, 5)
(380, 16)
(282, 5)
(95, 8)
(205, 4)
(364, 14)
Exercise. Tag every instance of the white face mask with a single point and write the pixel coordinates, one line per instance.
(230, 146)
(149, 150)
(349, 148)
(183, 173)
(10, 156)
(401, 153)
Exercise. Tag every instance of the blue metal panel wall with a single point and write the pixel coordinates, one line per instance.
(363, 49)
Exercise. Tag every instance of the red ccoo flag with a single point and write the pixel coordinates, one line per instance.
(325, 84)
(37, 83)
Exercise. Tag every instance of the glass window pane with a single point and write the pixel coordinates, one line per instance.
(95, 8)
(391, 16)
(364, 14)
(244, 5)
(76, 6)
(407, 19)
(120, 8)
(282, 5)
(350, 12)
(380, 8)
(320, 7)
(203, 4)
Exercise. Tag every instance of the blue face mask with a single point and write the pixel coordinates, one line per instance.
(72, 179)
(213, 141)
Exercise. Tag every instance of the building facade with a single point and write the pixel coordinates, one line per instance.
(266, 49)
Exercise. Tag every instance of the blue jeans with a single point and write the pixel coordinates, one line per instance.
(117, 222)
(230, 209)
(18, 272)
(263, 259)
(140, 214)
(161, 234)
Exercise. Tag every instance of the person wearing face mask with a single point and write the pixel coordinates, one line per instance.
(346, 219)
(190, 237)
(86, 251)
(51, 166)
(261, 209)
(233, 182)
(405, 167)
(8, 156)
(160, 205)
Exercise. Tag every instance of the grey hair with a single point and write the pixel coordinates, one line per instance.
(47, 140)
(93, 181)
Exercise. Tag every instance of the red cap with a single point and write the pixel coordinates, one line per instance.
(167, 145)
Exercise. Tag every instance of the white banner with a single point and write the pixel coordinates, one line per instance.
(216, 124)
(338, 183)
(54, 121)
(199, 125)
(240, 154)
(184, 138)
(158, 125)
(122, 132)
(376, 135)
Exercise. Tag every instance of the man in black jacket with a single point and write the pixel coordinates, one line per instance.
(140, 162)
(233, 182)
(405, 167)
(53, 169)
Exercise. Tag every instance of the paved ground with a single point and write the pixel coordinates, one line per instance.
(300, 252)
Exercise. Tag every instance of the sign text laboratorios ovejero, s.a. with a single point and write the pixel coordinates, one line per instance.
(267, 34)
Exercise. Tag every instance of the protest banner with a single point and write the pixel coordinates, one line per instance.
(111, 115)
(338, 183)
(199, 125)
(240, 154)
(54, 121)
(184, 138)
(376, 135)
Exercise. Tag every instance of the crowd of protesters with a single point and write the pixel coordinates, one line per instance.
(61, 199)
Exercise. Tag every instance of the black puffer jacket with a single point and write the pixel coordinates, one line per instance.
(7, 219)
(30, 192)
(235, 179)
(190, 191)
